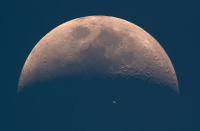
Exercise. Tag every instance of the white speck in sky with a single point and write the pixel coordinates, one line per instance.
(114, 102)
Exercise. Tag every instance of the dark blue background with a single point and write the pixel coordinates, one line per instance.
(173, 23)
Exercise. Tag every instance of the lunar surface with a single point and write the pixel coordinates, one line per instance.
(98, 47)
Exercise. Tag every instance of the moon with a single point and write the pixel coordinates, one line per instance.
(97, 47)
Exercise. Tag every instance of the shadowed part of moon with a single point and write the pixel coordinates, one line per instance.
(97, 47)
(86, 105)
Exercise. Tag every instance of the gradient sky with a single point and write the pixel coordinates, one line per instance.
(173, 23)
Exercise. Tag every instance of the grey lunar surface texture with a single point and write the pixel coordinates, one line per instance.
(98, 46)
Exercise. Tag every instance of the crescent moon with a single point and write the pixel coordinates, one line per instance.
(97, 47)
